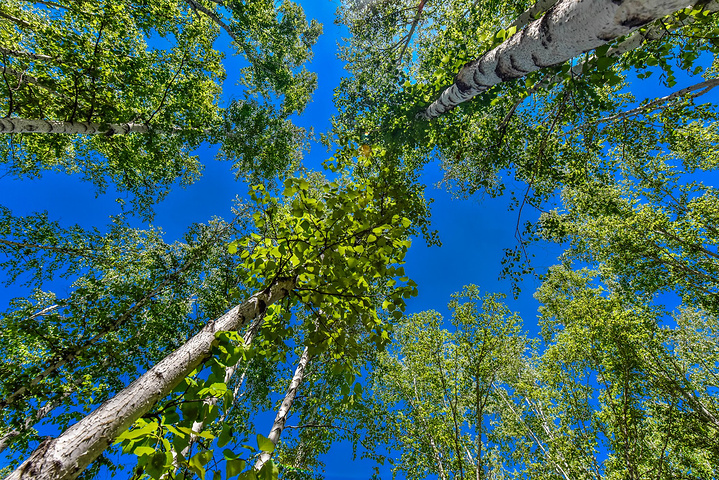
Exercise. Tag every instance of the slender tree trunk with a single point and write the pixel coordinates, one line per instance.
(432, 443)
(453, 411)
(284, 411)
(479, 407)
(24, 125)
(692, 92)
(199, 426)
(68, 455)
(22, 54)
(415, 21)
(570, 28)
(547, 454)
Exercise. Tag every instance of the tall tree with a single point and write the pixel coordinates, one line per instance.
(131, 297)
(441, 389)
(498, 135)
(303, 259)
(136, 109)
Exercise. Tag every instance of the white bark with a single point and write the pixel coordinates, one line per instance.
(284, 411)
(67, 456)
(557, 467)
(633, 41)
(570, 28)
(22, 54)
(24, 125)
(199, 425)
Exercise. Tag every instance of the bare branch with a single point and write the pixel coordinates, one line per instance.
(692, 92)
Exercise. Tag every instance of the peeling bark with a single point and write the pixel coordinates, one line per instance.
(568, 29)
(68, 455)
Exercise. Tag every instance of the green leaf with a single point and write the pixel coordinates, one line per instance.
(225, 435)
(234, 467)
(265, 444)
(148, 429)
(156, 466)
(269, 471)
(144, 450)
(170, 417)
(248, 475)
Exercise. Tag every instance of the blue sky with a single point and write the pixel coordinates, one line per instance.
(474, 232)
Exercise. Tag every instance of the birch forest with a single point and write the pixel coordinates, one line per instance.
(294, 332)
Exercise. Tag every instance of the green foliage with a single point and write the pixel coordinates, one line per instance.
(343, 243)
(151, 63)
(126, 304)
(621, 387)
(439, 392)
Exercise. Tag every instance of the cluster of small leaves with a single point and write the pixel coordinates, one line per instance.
(344, 245)
(276, 38)
(262, 144)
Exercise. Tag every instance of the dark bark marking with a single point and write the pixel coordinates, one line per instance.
(480, 67)
(607, 37)
(477, 76)
(463, 86)
(636, 21)
(504, 69)
(261, 306)
(545, 35)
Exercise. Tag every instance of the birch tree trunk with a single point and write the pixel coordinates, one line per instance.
(24, 125)
(568, 29)
(198, 426)
(67, 456)
(284, 411)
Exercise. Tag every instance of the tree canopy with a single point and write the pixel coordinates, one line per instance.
(126, 353)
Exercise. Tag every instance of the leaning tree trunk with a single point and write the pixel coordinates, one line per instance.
(284, 411)
(67, 456)
(568, 29)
